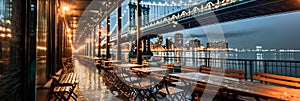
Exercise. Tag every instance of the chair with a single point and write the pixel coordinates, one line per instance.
(171, 91)
(207, 92)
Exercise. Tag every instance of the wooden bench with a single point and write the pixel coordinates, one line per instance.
(189, 69)
(63, 85)
(277, 79)
(223, 72)
(145, 64)
(206, 92)
(66, 86)
(133, 62)
(169, 66)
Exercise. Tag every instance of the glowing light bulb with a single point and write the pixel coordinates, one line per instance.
(65, 8)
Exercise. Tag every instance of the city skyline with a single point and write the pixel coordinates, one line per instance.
(252, 32)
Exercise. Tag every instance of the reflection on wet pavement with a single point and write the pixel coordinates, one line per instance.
(91, 83)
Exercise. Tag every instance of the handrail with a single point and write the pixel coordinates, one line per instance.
(278, 67)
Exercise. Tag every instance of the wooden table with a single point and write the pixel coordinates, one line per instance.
(149, 69)
(145, 82)
(242, 86)
(111, 62)
(143, 72)
(99, 58)
(128, 65)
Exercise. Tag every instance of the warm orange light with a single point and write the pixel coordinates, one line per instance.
(41, 48)
(8, 35)
(69, 35)
(2, 35)
(65, 8)
(68, 30)
(8, 30)
(74, 25)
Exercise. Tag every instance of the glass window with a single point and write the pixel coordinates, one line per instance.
(41, 38)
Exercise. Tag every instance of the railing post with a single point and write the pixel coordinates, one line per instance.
(185, 60)
(251, 69)
(265, 66)
(205, 61)
(246, 70)
(208, 59)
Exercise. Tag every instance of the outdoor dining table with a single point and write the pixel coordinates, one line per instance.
(128, 65)
(142, 72)
(112, 62)
(243, 87)
(125, 68)
(149, 69)
(99, 58)
(144, 82)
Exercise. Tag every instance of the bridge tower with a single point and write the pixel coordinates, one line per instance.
(145, 11)
(132, 26)
(146, 39)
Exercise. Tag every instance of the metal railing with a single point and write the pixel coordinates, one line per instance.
(279, 67)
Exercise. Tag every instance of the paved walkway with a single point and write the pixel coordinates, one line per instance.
(91, 83)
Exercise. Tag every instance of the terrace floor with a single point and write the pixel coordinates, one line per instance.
(91, 86)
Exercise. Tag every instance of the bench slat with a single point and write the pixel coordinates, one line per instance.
(279, 77)
(189, 70)
(223, 72)
(286, 83)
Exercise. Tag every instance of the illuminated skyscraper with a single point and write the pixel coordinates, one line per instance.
(169, 43)
(178, 40)
(194, 43)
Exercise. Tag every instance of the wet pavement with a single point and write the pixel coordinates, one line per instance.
(91, 83)
(92, 86)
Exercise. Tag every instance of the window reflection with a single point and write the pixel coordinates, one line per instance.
(5, 33)
(41, 38)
